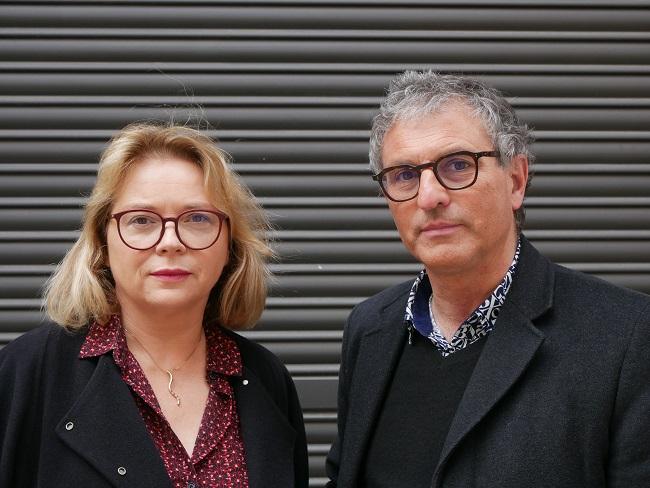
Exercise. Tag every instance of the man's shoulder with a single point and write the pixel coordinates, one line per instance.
(540, 280)
(377, 303)
(572, 286)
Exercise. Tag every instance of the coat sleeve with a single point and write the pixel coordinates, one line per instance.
(294, 415)
(629, 453)
(21, 363)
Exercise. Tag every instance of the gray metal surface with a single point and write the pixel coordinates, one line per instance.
(289, 87)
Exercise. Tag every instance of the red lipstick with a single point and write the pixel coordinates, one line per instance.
(174, 274)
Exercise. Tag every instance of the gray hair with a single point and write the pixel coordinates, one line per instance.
(415, 94)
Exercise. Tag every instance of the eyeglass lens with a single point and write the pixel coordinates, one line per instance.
(142, 230)
(454, 172)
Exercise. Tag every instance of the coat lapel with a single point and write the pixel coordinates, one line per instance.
(508, 350)
(377, 355)
(260, 420)
(105, 428)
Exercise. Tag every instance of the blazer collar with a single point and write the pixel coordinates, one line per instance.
(269, 439)
(105, 428)
(508, 350)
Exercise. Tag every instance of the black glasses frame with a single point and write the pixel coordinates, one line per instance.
(434, 166)
(220, 215)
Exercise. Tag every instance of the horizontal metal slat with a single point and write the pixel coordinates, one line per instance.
(508, 16)
(192, 34)
(39, 118)
(478, 51)
(123, 67)
(156, 82)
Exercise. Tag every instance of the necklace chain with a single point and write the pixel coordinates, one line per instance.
(168, 372)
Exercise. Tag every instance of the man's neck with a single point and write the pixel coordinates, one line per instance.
(456, 296)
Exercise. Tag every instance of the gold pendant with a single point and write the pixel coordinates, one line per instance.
(169, 388)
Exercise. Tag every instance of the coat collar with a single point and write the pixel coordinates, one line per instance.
(377, 356)
(105, 428)
(508, 350)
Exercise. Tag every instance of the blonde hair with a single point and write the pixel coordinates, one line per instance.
(82, 289)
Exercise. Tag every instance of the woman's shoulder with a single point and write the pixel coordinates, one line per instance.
(35, 345)
(262, 363)
(254, 355)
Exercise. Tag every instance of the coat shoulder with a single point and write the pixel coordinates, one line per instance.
(266, 367)
(600, 296)
(378, 302)
(33, 346)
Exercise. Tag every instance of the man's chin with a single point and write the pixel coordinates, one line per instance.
(444, 257)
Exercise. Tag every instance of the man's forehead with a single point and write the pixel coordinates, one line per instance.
(453, 127)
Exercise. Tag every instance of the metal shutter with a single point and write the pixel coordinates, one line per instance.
(290, 87)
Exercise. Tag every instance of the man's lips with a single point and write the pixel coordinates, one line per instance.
(439, 228)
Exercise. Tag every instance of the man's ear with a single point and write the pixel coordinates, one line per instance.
(518, 172)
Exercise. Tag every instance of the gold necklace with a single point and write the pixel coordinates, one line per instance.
(169, 372)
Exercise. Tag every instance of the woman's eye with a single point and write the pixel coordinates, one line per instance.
(140, 220)
(198, 218)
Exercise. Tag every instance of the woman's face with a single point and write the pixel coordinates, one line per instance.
(168, 277)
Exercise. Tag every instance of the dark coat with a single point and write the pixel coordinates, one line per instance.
(70, 422)
(560, 396)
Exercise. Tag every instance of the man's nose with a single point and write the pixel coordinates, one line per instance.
(431, 193)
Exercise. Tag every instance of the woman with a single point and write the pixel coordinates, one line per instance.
(145, 384)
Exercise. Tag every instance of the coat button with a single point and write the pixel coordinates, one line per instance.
(69, 426)
(245, 382)
(121, 470)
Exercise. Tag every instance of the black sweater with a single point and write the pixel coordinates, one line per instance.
(417, 411)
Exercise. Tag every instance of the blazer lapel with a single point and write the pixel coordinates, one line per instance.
(378, 353)
(269, 439)
(105, 428)
(508, 350)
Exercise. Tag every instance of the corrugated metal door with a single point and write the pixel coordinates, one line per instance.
(289, 88)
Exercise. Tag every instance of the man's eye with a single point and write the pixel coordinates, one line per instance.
(404, 175)
(457, 164)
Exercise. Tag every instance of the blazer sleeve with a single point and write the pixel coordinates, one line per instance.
(21, 364)
(629, 454)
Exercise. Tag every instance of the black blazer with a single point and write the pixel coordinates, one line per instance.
(560, 396)
(70, 422)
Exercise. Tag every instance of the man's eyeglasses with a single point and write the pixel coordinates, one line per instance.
(454, 171)
(144, 229)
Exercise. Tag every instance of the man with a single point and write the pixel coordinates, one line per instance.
(494, 367)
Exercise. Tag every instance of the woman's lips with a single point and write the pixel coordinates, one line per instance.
(171, 274)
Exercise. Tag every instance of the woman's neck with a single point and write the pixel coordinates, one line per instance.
(166, 335)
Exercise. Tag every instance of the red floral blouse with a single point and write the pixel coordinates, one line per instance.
(218, 459)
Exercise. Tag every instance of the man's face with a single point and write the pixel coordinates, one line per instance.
(454, 231)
